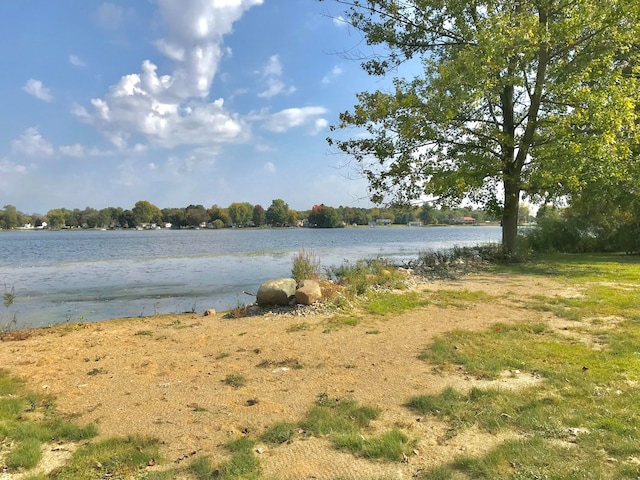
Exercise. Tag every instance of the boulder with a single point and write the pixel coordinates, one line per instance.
(276, 292)
(309, 292)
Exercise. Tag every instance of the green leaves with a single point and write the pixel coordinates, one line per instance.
(540, 95)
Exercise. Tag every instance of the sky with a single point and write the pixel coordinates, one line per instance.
(177, 102)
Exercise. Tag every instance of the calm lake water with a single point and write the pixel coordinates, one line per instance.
(61, 276)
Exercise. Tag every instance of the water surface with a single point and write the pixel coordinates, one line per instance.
(91, 275)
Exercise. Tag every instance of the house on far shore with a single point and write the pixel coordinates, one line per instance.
(463, 221)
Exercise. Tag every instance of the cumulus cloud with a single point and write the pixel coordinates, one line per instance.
(32, 143)
(271, 74)
(37, 89)
(172, 109)
(319, 125)
(76, 61)
(334, 73)
(293, 117)
(7, 167)
(80, 151)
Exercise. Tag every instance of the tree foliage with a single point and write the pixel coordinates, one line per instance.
(278, 213)
(322, 216)
(514, 96)
(240, 213)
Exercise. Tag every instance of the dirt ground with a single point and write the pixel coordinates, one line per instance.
(164, 377)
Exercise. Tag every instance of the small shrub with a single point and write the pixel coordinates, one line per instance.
(361, 276)
(281, 432)
(306, 265)
(235, 381)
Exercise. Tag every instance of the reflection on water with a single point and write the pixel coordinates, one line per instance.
(94, 275)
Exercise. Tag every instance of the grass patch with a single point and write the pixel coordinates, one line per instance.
(111, 458)
(458, 298)
(343, 321)
(581, 420)
(391, 446)
(298, 327)
(292, 363)
(222, 355)
(282, 432)
(337, 416)
(235, 380)
(145, 333)
(243, 464)
(28, 421)
(386, 303)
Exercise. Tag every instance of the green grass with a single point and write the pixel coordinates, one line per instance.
(361, 276)
(282, 432)
(339, 321)
(386, 303)
(458, 298)
(343, 422)
(243, 464)
(390, 446)
(111, 458)
(337, 416)
(235, 380)
(299, 327)
(581, 420)
(28, 421)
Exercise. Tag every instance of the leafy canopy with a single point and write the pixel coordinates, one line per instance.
(533, 96)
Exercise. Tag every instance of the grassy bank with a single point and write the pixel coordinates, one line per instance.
(576, 418)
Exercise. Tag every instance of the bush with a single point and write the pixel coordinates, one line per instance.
(306, 265)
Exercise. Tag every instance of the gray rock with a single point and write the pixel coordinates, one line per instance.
(276, 292)
(309, 292)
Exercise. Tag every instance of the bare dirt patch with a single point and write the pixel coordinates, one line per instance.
(164, 376)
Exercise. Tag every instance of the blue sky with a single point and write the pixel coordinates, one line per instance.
(176, 102)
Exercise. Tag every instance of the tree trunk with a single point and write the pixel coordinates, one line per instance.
(510, 217)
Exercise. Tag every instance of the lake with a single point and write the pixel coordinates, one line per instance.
(88, 275)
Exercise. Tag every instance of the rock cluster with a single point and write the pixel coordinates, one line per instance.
(284, 291)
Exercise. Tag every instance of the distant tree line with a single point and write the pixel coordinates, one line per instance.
(238, 214)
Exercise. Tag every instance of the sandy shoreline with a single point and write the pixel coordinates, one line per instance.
(163, 376)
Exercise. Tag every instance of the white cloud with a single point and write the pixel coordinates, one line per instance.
(340, 21)
(76, 61)
(171, 109)
(77, 150)
(271, 74)
(7, 167)
(32, 143)
(37, 89)
(80, 151)
(334, 73)
(269, 167)
(319, 125)
(293, 117)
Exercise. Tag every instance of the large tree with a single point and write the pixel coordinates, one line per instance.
(240, 213)
(277, 215)
(513, 98)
